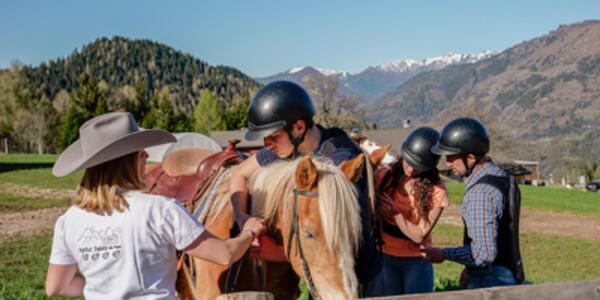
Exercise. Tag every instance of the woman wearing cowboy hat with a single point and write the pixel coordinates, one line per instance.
(122, 240)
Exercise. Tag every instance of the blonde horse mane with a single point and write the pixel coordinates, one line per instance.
(338, 207)
(217, 197)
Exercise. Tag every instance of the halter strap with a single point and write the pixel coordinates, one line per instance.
(295, 230)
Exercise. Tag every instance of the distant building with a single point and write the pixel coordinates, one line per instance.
(524, 171)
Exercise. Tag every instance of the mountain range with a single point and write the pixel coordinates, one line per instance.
(122, 62)
(544, 93)
(544, 87)
(375, 81)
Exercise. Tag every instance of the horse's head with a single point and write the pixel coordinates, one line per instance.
(313, 204)
(370, 147)
(380, 155)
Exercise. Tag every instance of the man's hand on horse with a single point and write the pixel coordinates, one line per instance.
(265, 248)
(433, 255)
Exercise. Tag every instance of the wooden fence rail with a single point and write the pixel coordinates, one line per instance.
(574, 290)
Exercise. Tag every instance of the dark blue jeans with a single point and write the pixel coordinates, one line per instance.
(406, 275)
(489, 276)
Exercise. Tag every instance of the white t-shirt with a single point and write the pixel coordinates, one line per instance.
(129, 255)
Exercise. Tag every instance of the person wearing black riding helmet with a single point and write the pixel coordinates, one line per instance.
(281, 114)
(490, 210)
(411, 198)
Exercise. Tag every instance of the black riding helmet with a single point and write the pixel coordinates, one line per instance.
(275, 106)
(416, 149)
(463, 136)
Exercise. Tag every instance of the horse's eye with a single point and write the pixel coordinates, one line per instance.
(308, 234)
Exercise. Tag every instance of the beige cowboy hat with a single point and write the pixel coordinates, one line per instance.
(105, 138)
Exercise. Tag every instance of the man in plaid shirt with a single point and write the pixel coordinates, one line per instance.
(490, 252)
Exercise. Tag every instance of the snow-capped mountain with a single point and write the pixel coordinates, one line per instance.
(300, 74)
(374, 82)
(326, 72)
(406, 65)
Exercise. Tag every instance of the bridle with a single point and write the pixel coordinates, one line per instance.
(295, 230)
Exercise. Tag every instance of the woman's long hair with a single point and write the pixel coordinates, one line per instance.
(101, 186)
(423, 188)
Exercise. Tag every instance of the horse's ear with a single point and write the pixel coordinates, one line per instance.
(377, 156)
(353, 167)
(306, 174)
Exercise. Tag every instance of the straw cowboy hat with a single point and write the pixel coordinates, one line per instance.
(105, 138)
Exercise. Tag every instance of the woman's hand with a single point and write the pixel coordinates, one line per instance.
(255, 225)
(224, 252)
(386, 206)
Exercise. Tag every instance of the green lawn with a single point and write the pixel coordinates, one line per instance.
(28, 158)
(35, 170)
(11, 203)
(547, 258)
(550, 199)
(23, 266)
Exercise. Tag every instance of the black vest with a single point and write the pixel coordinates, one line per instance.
(507, 241)
(368, 261)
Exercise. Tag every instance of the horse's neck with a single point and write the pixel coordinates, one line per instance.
(215, 199)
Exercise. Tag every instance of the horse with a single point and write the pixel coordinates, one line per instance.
(314, 206)
(198, 279)
(370, 146)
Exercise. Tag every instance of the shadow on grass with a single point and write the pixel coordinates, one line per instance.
(7, 166)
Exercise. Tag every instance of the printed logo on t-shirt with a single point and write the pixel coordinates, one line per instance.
(100, 244)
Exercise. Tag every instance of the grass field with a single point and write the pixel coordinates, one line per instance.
(35, 170)
(23, 266)
(550, 199)
(10, 203)
(547, 258)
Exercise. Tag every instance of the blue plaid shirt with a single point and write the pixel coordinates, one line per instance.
(481, 209)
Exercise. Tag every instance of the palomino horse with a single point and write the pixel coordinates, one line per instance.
(313, 204)
(191, 175)
(320, 244)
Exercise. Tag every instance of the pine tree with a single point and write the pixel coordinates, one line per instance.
(237, 114)
(181, 123)
(86, 102)
(139, 106)
(164, 112)
(208, 114)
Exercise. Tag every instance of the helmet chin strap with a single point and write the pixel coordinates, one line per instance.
(296, 141)
(466, 163)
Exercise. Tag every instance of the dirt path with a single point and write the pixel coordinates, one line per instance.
(565, 224)
(23, 190)
(33, 222)
(29, 222)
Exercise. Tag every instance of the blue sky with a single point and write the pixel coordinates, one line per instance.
(264, 37)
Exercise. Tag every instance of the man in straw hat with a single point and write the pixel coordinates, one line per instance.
(122, 240)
